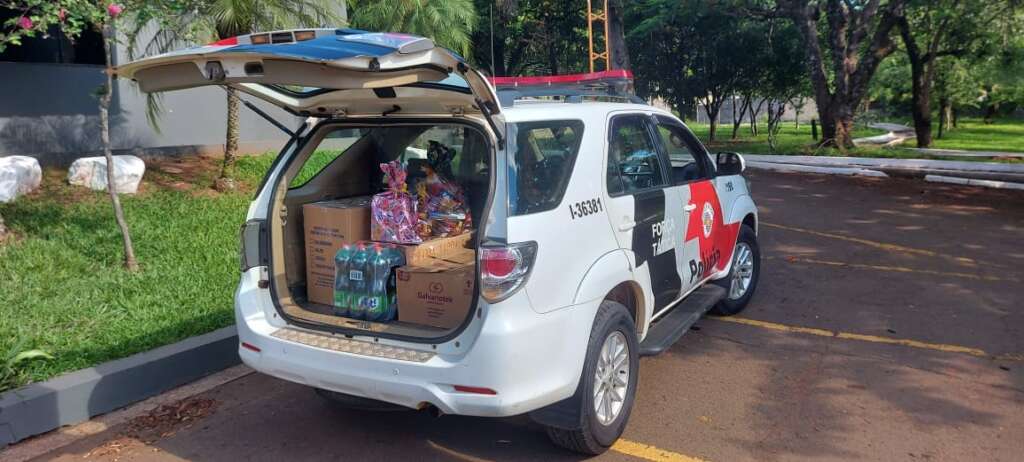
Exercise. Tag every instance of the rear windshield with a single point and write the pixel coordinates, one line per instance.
(542, 164)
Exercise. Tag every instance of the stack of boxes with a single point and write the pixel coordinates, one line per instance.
(434, 288)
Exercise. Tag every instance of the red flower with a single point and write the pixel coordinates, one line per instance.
(25, 23)
(114, 9)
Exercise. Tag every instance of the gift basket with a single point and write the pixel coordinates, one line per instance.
(441, 207)
(393, 217)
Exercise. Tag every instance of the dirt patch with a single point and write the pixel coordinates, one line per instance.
(168, 419)
(161, 422)
(182, 173)
(186, 174)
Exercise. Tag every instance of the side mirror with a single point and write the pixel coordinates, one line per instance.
(730, 163)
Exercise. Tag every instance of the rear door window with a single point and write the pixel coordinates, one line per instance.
(633, 161)
(544, 154)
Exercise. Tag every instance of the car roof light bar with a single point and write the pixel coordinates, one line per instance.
(614, 84)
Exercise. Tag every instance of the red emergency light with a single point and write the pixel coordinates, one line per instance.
(601, 77)
(610, 85)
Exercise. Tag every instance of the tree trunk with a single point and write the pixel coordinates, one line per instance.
(226, 180)
(3, 230)
(711, 108)
(921, 110)
(129, 250)
(753, 112)
(616, 42)
(921, 70)
(837, 126)
(738, 120)
(844, 132)
(775, 112)
(945, 114)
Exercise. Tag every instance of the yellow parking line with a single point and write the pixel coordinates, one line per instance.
(867, 242)
(898, 269)
(647, 452)
(869, 338)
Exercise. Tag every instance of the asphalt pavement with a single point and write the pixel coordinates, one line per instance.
(887, 326)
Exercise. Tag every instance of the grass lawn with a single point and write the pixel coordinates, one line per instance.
(62, 288)
(1004, 135)
(973, 135)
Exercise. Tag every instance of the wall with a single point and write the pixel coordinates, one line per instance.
(49, 111)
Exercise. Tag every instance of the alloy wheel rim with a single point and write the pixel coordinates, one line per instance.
(611, 378)
(742, 271)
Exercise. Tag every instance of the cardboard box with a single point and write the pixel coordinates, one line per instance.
(424, 253)
(438, 295)
(329, 225)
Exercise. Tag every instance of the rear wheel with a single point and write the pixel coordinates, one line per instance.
(743, 275)
(608, 383)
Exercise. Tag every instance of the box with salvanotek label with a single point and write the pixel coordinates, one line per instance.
(439, 292)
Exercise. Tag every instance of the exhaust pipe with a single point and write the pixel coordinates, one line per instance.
(434, 411)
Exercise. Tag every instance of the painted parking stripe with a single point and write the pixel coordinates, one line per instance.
(880, 245)
(869, 338)
(897, 269)
(652, 453)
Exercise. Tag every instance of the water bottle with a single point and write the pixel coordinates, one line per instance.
(342, 284)
(395, 259)
(377, 298)
(358, 275)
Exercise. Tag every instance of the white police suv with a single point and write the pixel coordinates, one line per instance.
(603, 228)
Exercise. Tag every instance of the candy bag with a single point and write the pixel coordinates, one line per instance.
(393, 212)
(442, 204)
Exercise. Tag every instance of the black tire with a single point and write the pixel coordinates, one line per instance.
(592, 437)
(357, 403)
(729, 307)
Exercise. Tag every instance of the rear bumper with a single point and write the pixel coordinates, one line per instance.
(530, 359)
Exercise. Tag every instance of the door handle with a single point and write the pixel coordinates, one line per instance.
(689, 207)
(627, 226)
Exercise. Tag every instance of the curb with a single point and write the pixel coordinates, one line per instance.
(77, 396)
(960, 153)
(974, 182)
(904, 167)
(779, 167)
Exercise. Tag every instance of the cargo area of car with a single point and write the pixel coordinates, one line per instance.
(374, 228)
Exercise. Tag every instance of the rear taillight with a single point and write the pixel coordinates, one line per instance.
(254, 244)
(504, 269)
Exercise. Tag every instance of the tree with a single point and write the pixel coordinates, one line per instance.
(692, 50)
(73, 16)
(932, 29)
(855, 37)
(530, 37)
(784, 76)
(179, 22)
(448, 23)
(1001, 78)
